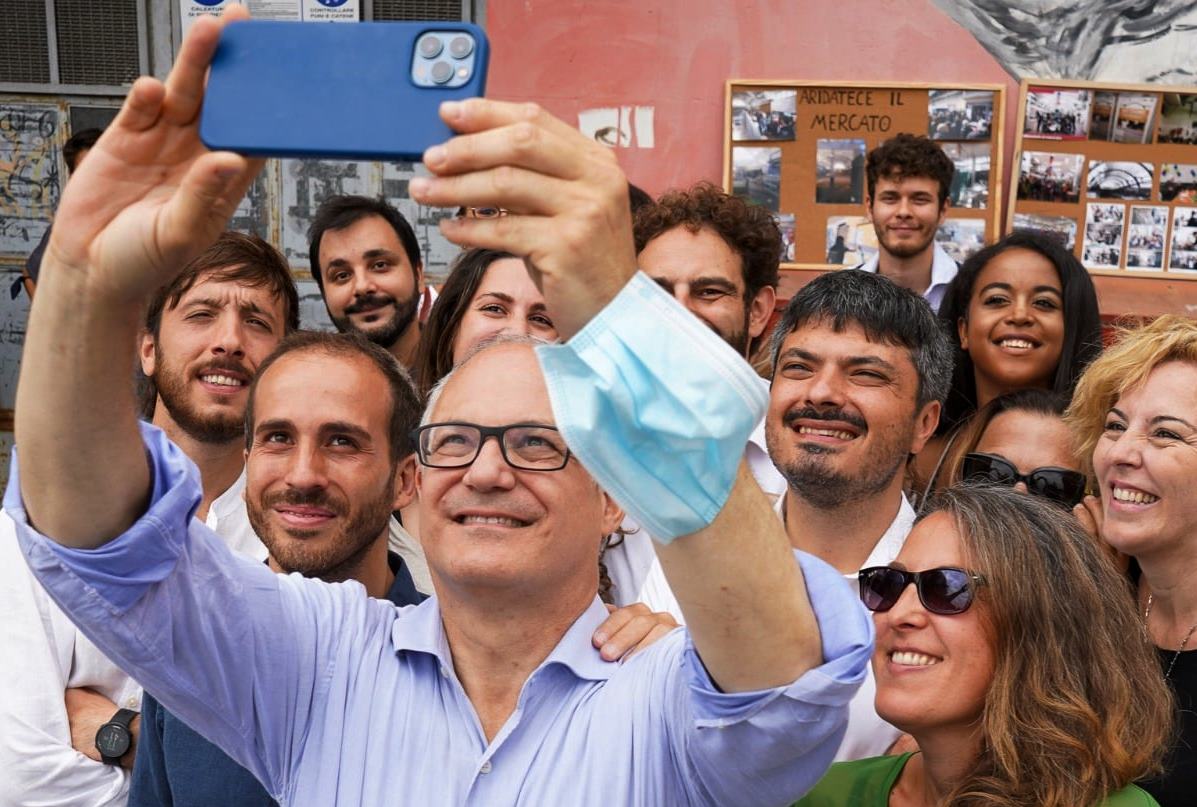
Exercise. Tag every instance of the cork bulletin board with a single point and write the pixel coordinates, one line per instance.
(798, 148)
(1111, 169)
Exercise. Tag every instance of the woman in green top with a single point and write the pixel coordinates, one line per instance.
(1016, 661)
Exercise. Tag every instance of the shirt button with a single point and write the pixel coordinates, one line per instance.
(131, 703)
(485, 767)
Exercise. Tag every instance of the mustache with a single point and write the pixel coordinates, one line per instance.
(306, 498)
(516, 509)
(226, 363)
(368, 303)
(838, 415)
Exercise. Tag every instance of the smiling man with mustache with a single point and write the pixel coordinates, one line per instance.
(366, 261)
(860, 370)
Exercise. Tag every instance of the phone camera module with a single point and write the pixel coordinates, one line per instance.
(442, 72)
(461, 47)
(430, 46)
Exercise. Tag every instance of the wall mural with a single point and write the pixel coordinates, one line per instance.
(1091, 40)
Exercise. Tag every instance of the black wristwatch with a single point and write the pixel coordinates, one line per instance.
(114, 738)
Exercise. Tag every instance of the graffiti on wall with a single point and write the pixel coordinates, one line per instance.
(29, 182)
(1092, 40)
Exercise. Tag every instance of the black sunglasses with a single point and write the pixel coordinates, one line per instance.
(1059, 485)
(947, 590)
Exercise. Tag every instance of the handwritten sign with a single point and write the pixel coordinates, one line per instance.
(29, 181)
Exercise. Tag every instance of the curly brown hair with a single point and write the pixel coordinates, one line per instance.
(748, 229)
(904, 156)
(1077, 708)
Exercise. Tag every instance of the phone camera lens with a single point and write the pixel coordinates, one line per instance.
(442, 72)
(461, 47)
(430, 45)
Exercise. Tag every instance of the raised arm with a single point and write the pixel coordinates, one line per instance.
(148, 198)
(735, 577)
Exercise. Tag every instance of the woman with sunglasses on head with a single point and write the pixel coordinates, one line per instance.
(1023, 314)
(1020, 440)
(1009, 649)
(1135, 417)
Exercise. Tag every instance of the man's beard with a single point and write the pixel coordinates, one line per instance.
(384, 334)
(905, 249)
(810, 474)
(738, 339)
(222, 426)
(334, 558)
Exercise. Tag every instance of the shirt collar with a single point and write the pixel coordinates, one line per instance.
(420, 630)
(231, 499)
(943, 267)
(888, 545)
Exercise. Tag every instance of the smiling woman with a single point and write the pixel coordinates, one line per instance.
(1135, 417)
(1023, 313)
(1016, 663)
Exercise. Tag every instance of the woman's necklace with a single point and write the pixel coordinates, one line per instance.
(1183, 642)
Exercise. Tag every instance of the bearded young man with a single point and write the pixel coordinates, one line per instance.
(861, 369)
(908, 179)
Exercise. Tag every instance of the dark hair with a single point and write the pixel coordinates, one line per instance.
(234, 257)
(80, 141)
(1082, 321)
(638, 198)
(906, 156)
(1031, 400)
(748, 229)
(338, 212)
(406, 407)
(885, 311)
(434, 356)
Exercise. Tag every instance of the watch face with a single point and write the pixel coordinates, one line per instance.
(112, 740)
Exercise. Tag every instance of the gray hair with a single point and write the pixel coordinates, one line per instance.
(498, 340)
(885, 311)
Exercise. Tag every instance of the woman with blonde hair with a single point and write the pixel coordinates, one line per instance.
(1009, 649)
(1135, 419)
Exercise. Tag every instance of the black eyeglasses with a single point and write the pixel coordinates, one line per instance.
(947, 590)
(1059, 485)
(525, 446)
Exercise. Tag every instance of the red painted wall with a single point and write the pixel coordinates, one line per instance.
(676, 55)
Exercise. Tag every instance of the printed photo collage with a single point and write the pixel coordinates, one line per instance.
(762, 120)
(1130, 221)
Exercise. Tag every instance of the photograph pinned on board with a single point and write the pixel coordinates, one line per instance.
(1178, 122)
(1104, 224)
(839, 172)
(1145, 238)
(1104, 104)
(1048, 177)
(959, 114)
(1057, 114)
(1183, 255)
(756, 175)
(785, 223)
(960, 238)
(764, 114)
(851, 240)
(970, 183)
(1178, 183)
(1120, 180)
(1134, 120)
(1061, 228)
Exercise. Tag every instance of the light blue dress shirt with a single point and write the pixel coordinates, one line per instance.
(330, 697)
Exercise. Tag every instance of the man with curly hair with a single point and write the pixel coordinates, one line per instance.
(908, 178)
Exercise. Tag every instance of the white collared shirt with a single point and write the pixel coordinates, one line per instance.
(49, 655)
(943, 269)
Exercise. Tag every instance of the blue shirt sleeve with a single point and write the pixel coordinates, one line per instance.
(763, 747)
(233, 649)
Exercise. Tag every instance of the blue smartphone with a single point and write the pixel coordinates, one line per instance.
(367, 90)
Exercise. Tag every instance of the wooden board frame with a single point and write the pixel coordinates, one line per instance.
(1106, 150)
(991, 214)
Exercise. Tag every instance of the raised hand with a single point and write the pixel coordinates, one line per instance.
(567, 200)
(150, 196)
